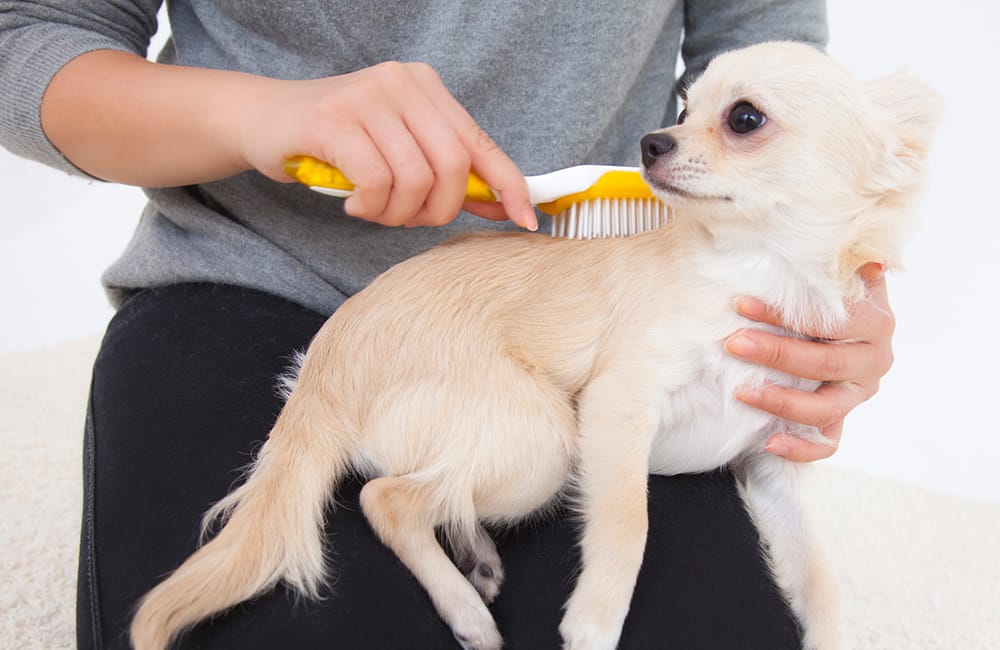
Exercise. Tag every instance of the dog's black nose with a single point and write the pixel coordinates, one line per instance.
(655, 146)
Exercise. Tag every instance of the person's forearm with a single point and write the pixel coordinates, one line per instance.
(121, 118)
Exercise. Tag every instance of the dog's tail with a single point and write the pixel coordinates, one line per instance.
(273, 530)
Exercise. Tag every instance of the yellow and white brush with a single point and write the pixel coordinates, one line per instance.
(585, 202)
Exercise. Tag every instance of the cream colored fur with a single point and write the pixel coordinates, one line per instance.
(478, 381)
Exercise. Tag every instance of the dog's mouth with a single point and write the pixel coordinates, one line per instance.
(676, 191)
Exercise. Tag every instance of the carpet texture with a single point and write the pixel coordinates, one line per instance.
(920, 569)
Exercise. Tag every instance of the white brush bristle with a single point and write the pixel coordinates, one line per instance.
(610, 218)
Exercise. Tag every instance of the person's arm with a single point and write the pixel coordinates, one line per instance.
(80, 96)
(38, 38)
(851, 366)
(393, 129)
(124, 119)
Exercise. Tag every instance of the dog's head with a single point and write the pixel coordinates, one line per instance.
(780, 144)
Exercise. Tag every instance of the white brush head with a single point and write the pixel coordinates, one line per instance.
(610, 218)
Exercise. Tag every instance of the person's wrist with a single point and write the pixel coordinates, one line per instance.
(239, 115)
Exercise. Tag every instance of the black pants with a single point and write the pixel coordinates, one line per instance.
(184, 393)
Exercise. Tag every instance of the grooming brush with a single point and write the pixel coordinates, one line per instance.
(585, 202)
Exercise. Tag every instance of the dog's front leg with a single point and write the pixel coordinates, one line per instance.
(616, 436)
(798, 560)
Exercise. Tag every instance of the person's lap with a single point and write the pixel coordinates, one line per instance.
(184, 393)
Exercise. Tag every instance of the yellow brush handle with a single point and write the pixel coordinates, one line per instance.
(614, 185)
(316, 173)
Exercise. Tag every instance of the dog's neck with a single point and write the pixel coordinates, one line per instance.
(802, 277)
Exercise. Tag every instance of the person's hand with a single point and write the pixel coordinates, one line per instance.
(397, 133)
(851, 365)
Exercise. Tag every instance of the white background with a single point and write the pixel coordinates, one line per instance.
(936, 419)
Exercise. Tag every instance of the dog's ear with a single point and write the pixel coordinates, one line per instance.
(908, 113)
(914, 112)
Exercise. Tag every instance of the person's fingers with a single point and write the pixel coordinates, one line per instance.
(851, 360)
(875, 314)
(367, 169)
(500, 172)
(335, 125)
(445, 154)
(410, 175)
(861, 350)
(404, 142)
(487, 159)
(824, 361)
(401, 153)
(829, 404)
(491, 211)
(869, 316)
(801, 450)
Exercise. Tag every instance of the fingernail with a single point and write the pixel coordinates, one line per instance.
(741, 345)
(530, 218)
(749, 307)
(873, 271)
(748, 394)
(777, 446)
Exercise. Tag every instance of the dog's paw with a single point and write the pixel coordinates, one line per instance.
(581, 630)
(480, 564)
(831, 638)
(469, 643)
(471, 623)
(486, 575)
(586, 636)
(594, 618)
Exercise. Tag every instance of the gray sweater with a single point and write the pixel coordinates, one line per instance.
(554, 83)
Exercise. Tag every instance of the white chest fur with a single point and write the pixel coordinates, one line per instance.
(702, 426)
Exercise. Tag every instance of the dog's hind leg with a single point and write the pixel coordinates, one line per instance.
(797, 558)
(478, 559)
(404, 512)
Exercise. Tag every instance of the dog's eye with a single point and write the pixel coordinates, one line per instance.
(745, 118)
(683, 116)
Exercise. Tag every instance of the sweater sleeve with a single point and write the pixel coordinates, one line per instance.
(37, 39)
(715, 26)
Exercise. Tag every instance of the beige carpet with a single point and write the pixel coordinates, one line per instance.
(920, 569)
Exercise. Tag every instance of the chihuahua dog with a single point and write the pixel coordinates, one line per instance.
(479, 381)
